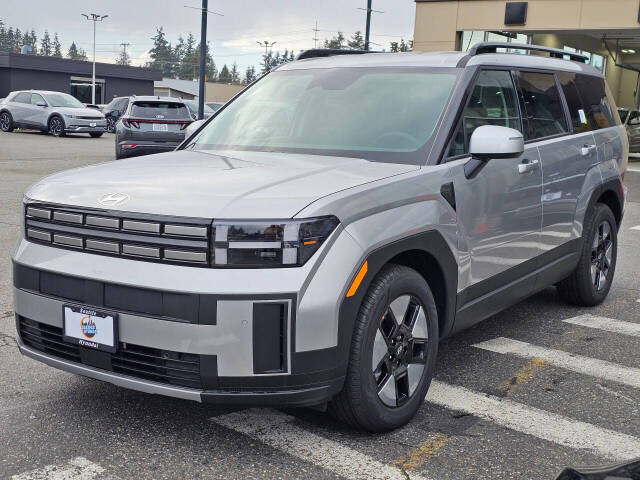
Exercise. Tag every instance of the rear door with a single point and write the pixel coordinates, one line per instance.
(499, 210)
(18, 106)
(566, 162)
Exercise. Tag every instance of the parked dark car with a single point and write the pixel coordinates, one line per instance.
(114, 110)
(631, 121)
(151, 125)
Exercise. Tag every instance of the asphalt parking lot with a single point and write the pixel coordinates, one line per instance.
(536, 388)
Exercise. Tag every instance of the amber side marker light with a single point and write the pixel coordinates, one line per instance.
(356, 281)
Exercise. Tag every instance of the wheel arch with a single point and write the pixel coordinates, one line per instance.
(429, 254)
(610, 194)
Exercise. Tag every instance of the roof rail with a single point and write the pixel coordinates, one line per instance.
(328, 52)
(492, 47)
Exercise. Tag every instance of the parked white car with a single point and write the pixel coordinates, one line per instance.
(54, 112)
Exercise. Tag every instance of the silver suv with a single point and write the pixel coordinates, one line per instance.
(54, 112)
(316, 238)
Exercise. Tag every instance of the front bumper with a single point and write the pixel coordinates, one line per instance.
(212, 318)
(85, 129)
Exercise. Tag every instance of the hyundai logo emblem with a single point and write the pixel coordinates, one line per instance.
(113, 199)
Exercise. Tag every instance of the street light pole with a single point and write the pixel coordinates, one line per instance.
(203, 59)
(94, 18)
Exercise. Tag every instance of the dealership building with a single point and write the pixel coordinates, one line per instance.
(607, 31)
(25, 72)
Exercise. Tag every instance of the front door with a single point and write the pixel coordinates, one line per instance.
(499, 210)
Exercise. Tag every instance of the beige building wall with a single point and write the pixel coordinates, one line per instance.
(221, 92)
(563, 23)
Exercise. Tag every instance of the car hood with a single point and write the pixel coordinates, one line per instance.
(84, 112)
(212, 184)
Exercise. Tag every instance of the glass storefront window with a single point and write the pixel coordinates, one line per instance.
(471, 37)
(81, 89)
(597, 61)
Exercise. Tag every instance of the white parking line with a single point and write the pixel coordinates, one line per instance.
(576, 363)
(280, 431)
(78, 468)
(607, 324)
(538, 423)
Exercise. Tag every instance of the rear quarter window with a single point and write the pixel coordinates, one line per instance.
(577, 111)
(160, 110)
(542, 111)
(598, 105)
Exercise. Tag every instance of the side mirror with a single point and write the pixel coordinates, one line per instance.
(490, 141)
(193, 127)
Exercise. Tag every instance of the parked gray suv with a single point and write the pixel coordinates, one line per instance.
(313, 241)
(54, 112)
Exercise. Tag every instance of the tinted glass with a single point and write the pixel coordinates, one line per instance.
(386, 114)
(63, 100)
(597, 106)
(160, 110)
(543, 113)
(22, 98)
(492, 102)
(574, 102)
(623, 114)
(36, 99)
(634, 118)
(193, 106)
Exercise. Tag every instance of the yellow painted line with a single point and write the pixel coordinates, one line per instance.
(420, 455)
(524, 375)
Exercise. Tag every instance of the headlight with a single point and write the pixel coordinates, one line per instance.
(256, 244)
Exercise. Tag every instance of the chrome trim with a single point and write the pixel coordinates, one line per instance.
(141, 251)
(141, 226)
(39, 235)
(184, 255)
(67, 217)
(102, 246)
(68, 241)
(185, 230)
(145, 386)
(254, 245)
(102, 222)
(39, 213)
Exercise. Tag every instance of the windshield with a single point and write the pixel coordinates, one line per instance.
(63, 100)
(160, 110)
(381, 114)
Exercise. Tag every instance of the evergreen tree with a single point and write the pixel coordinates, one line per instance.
(225, 75)
(11, 44)
(250, 75)
(235, 73)
(401, 46)
(31, 39)
(17, 41)
(337, 42)
(57, 48)
(186, 70)
(267, 62)
(46, 48)
(75, 53)
(161, 54)
(357, 41)
(190, 65)
(124, 58)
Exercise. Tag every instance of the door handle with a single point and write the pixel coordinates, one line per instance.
(587, 149)
(527, 166)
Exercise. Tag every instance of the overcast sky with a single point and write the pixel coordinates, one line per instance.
(290, 23)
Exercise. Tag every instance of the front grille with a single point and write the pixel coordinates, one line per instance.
(90, 118)
(163, 366)
(143, 237)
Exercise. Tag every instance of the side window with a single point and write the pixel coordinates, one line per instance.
(122, 105)
(594, 96)
(37, 99)
(574, 102)
(543, 113)
(23, 97)
(493, 101)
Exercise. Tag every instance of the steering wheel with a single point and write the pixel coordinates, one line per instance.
(410, 139)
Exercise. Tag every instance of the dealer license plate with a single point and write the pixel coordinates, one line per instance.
(93, 124)
(160, 127)
(90, 328)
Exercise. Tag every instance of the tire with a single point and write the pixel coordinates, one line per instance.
(6, 122)
(590, 282)
(119, 154)
(56, 126)
(111, 124)
(95, 135)
(366, 401)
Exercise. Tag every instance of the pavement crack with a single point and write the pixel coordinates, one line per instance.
(7, 314)
(7, 340)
